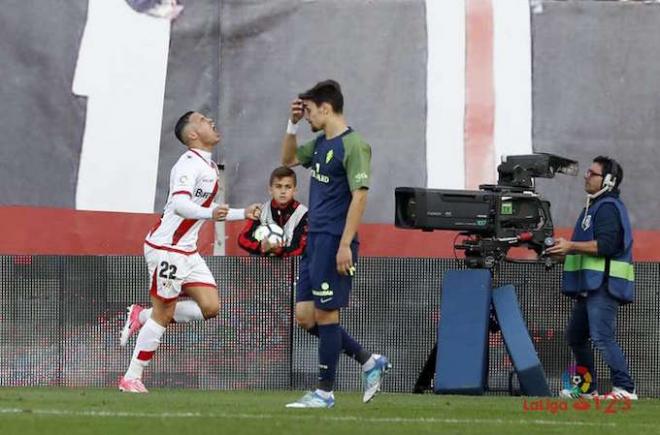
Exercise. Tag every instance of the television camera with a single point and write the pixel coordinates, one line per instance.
(494, 218)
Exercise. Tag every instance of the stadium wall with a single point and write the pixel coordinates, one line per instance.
(61, 317)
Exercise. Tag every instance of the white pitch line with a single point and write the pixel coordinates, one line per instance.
(288, 414)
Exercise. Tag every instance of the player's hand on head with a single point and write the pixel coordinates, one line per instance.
(297, 110)
(253, 211)
(220, 212)
(345, 261)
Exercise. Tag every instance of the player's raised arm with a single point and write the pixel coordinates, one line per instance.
(289, 143)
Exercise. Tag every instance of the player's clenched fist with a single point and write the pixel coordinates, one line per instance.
(253, 211)
(220, 212)
(297, 110)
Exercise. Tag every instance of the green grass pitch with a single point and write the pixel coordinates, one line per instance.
(25, 411)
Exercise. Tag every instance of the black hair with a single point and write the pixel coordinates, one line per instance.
(181, 124)
(327, 91)
(281, 172)
(611, 167)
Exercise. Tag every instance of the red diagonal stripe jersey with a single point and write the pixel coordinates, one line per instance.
(195, 175)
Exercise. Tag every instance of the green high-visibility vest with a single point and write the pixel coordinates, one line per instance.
(584, 273)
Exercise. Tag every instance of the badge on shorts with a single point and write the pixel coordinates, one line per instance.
(325, 291)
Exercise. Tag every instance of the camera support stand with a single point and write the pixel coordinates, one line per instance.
(462, 350)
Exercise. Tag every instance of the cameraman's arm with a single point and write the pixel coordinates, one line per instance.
(565, 247)
(590, 247)
(608, 235)
(608, 231)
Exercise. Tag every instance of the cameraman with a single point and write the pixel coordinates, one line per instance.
(599, 275)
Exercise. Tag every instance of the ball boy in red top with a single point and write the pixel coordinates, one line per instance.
(283, 210)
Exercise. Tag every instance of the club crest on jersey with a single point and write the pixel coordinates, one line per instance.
(586, 222)
(329, 156)
(199, 193)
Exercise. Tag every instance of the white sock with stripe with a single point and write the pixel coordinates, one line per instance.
(147, 342)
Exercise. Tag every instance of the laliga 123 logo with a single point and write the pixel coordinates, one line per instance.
(577, 379)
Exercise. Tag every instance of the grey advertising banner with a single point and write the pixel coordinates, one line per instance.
(271, 51)
(42, 121)
(48, 77)
(595, 91)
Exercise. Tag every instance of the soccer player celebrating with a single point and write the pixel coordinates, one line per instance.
(340, 168)
(170, 248)
(283, 210)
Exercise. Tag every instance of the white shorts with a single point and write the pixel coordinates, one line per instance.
(171, 272)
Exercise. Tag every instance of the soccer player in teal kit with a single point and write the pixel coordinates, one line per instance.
(340, 161)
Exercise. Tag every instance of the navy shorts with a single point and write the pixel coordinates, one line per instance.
(318, 279)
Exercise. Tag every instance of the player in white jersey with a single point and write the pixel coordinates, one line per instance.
(175, 266)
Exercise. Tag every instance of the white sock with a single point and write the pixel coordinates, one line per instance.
(145, 315)
(187, 311)
(184, 312)
(147, 342)
(324, 394)
(371, 363)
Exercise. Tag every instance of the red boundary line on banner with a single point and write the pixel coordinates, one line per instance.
(479, 125)
(58, 231)
(54, 231)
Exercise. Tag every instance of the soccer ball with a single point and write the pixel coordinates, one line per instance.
(271, 232)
